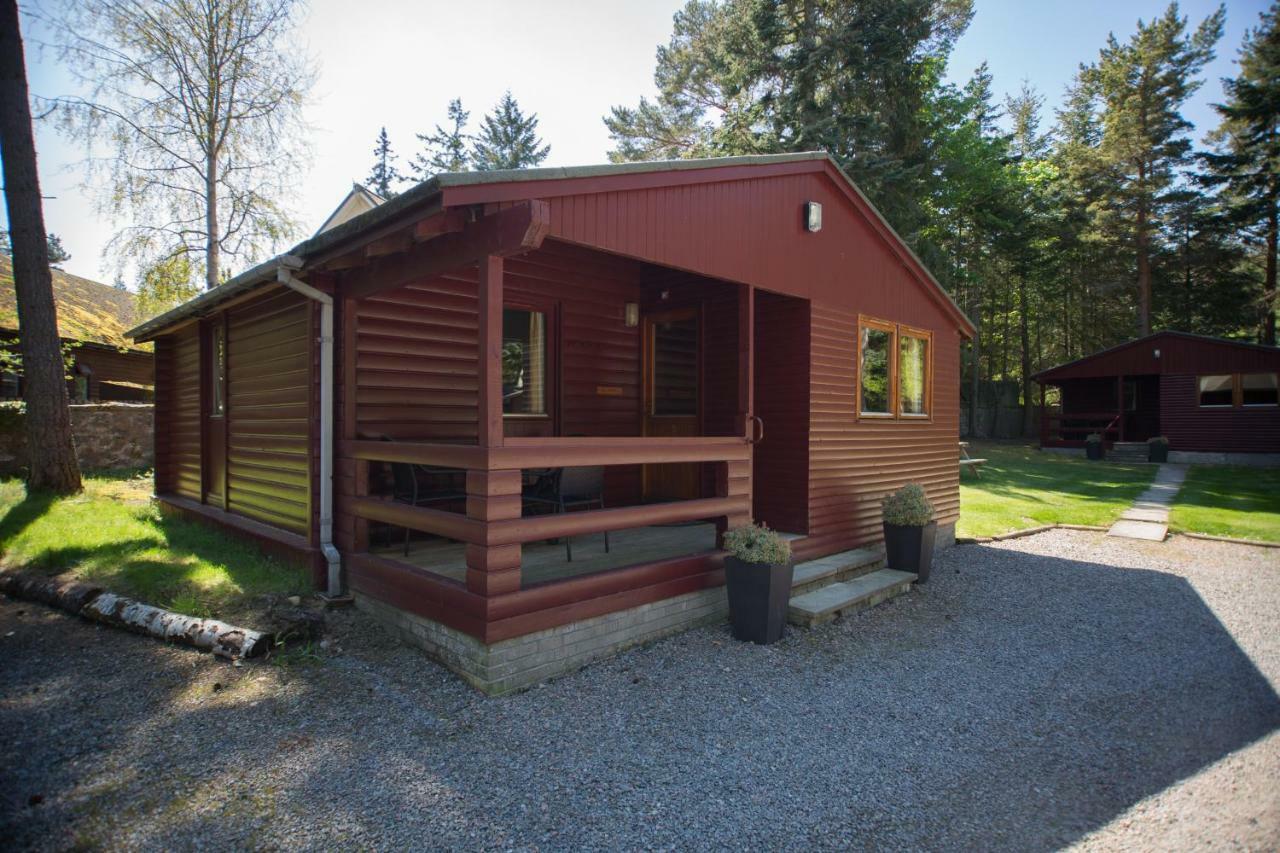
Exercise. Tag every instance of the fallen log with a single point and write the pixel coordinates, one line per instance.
(210, 635)
(70, 596)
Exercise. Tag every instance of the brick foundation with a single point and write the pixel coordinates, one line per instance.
(524, 661)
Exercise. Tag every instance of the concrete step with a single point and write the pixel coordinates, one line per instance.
(835, 567)
(823, 605)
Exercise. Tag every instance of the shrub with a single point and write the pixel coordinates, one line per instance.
(752, 544)
(908, 507)
(1158, 440)
(1093, 438)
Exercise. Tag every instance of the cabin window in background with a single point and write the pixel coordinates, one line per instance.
(218, 375)
(524, 362)
(1217, 390)
(875, 368)
(1259, 389)
(913, 373)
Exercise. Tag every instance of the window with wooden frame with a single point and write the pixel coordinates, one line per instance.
(915, 372)
(526, 361)
(876, 348)
(895, 371)
(1238, 390)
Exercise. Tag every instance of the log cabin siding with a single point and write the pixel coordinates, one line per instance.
(269, 410)
(854, 463)
(178, 429)
(1235, 429)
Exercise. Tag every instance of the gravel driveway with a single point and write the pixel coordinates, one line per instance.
(1054, 690)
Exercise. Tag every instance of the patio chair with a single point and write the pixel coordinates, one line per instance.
(563, 489)
(420, 485)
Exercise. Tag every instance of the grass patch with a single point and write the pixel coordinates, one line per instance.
(113, 535)
(1243, 503)
(1024, 487)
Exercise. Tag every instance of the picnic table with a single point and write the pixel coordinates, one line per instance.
(967, 461)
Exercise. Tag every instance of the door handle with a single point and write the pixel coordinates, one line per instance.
(757, 429)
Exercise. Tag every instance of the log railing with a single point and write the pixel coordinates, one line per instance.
(1059, 429)
(493, 527)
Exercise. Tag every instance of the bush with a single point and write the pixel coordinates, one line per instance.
(1093, 438)
(752, 544)
(908, 507)
(1159, 440)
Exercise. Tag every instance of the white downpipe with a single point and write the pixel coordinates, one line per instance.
(284, 274)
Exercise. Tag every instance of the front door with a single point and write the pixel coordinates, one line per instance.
(672, 355)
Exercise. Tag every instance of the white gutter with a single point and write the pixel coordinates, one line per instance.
(284, 274)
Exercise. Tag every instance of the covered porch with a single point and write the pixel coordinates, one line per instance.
(1119, 408)
(466, 386)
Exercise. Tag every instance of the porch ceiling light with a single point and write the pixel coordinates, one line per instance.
(631, 314)
(813, 216)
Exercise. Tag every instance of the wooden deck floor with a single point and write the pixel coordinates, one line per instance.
(544, 561)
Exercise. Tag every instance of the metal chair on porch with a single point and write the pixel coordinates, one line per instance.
(422, 485)
(562, 489)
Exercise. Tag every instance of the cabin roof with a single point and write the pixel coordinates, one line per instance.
(430, 196)
(1108, 362)
(88, 310)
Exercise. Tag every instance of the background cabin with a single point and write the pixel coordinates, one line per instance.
(102, 361)
(1203, 394)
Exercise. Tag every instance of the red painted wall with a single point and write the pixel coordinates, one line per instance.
(1233, 430)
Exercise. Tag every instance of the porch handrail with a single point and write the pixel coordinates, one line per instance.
(553, 452)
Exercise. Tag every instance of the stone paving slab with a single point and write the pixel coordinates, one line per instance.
(1149, 530)
(1149, 516)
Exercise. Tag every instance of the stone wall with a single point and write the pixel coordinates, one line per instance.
(107, 435)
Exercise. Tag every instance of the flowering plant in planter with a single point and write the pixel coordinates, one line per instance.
(758, 574)
(909, 530)
(1093, 445)
(1158, 449)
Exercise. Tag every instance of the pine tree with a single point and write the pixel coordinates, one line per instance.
(1246, 165)
(508, 139)
(1142, 85)
(384, 175)
(58, 255)
(444, 150)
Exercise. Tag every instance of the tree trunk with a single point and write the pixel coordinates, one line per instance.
(1143, 239)
(211, 256)
(53, 453)
(1028, 410)
(1269, 287)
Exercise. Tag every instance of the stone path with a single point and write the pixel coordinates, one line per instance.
(1148, 518)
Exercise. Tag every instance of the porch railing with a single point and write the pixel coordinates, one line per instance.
(493, 527)
(1058, 429)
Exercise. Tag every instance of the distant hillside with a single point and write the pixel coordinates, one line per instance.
(87, 310)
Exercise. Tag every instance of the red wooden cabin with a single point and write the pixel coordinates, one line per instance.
(1205, 395)
(695, 327)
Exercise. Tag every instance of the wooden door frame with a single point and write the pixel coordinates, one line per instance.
(647, 385)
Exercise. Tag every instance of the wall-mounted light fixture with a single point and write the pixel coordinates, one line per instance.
(813, 216)
(631, 314)
(1157, 353)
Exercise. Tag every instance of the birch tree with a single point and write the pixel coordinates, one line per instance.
(192, 116)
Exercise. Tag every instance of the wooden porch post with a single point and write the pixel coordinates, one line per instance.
(1119, 407)
(491, 495)
(1044, 425)
(734, 478)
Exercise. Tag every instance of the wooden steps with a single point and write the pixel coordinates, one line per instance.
(1128, 452)
(828, 587)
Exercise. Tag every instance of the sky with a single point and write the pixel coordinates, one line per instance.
(397, 63)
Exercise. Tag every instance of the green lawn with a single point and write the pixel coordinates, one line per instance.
(113, 535)
(1243, 503)
(1024, 487)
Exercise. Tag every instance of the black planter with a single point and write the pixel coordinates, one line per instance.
(758, 597)
(1093, 449)
(1157, 453)
(910, 549)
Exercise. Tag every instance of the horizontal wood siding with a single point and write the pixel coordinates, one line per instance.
(854, 463)
(1228, 430)
(269, 410)
(177, 439)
